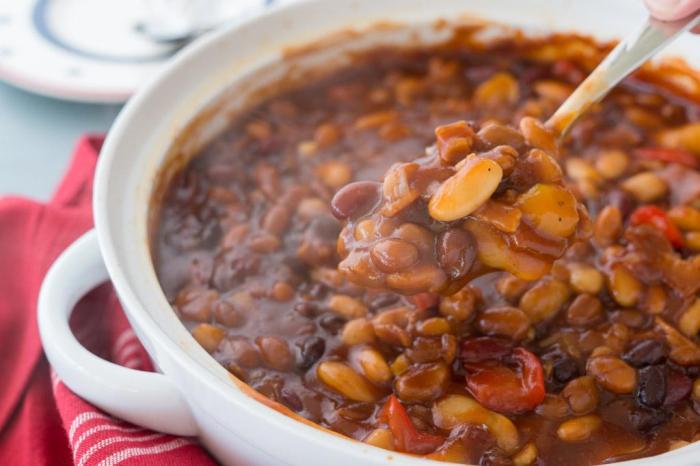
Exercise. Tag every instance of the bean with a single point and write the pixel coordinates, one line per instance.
(459, 306)
(651, 388)
(282, 291)
(655, 300)
(375, 119)
(390, 326)
(645, 419)
(684, 137)
(612, 163)
(692, 241)
(564, 369)
(585, 310)
(625, 287)
(581, 170)
(373, 365)
(264, 243)
(430, 349)
(358, 331)
(355, 199)
(420, 278)
(544, 299)
(582, 395)
(685, 217)
(646, 353)
(456, 252)
(544, 166)
(536, 135)
(630, 318)
(398, 188)
(579, 429)
(347, 306)
(612, 373)
(327, 134)
(501, 89)
(334, 174)
(433, 326)
(608, 226)
(553, 407)
(344, 380)
(393, 255)
(494, 134)
(241, 351)
(381, 438)
(311, 349)
(466, 190)
(399, 365)
(689, 322)
(645, 186)
(423, 383)
(526, 456)
(209, 336)
(504, 321)
(455, 410)
(277, 219)
(678, 387)
(275, 353)
(196, 304)
(585, 278)
(511, 287)
(227, 314)
(550, 209)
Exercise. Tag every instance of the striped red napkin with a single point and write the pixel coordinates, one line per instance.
(41, 421)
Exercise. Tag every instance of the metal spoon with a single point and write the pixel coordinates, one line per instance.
(625, 58)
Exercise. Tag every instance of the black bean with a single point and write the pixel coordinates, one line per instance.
(307, 308)
(646, 353)
(678, 386)
(332, 323)
(355, 199)
(651, 388)
(456, 252)
(645, 419)
(310, 350)
(565, 369)
(382, 300)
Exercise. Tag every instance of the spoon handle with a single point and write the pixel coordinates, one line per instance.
(626, 57)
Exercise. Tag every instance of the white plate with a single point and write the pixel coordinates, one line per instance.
(82, 50)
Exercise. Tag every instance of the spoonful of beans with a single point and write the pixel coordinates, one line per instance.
(483, 198)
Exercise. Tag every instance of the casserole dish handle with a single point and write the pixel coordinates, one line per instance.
(147, 399)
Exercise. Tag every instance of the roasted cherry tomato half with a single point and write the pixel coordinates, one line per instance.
(665, 154)
(511, 385)
(656, 217)
(406, 437)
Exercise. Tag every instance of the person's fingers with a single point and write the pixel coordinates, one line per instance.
(669, 10)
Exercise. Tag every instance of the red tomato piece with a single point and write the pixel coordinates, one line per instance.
(406, 437)
(506, 389)
(664, 154)
(656, 217)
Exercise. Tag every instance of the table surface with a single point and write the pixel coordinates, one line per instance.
(37, 136)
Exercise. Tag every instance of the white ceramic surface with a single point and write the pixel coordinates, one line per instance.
(193, 394)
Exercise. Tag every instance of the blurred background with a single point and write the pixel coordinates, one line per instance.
(68, 66)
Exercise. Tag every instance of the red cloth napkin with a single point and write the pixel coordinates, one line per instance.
(41, 421)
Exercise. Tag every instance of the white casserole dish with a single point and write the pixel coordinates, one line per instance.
(192, 394)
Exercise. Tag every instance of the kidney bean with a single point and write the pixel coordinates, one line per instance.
(311, 349)
(456, 252)
(476, 350)
(332, 322)
(651, 388)
(355, 199)
(393, 255)
(646, 353)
